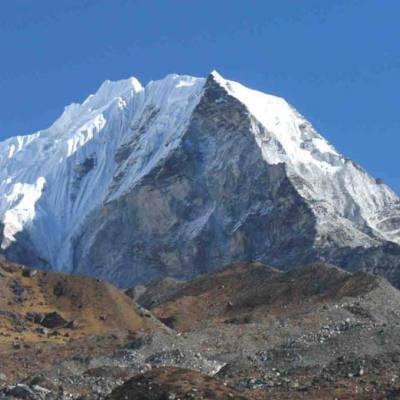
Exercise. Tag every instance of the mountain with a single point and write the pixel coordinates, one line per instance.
(185, 175)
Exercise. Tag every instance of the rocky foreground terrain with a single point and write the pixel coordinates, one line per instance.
(245, 332)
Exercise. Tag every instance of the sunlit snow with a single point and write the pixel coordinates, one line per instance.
(98, 150)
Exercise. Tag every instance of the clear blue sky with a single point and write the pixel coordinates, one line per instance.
(337, 62)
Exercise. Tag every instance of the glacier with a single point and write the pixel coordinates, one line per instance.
(182, 176)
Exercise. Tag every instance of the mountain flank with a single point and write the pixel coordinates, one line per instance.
(182, 176)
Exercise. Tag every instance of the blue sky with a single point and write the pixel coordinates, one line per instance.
(337, 62)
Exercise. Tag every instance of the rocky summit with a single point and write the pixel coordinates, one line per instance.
(183, 176)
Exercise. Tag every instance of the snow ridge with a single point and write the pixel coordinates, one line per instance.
(335, 185)
(71, 166)
(99, 150)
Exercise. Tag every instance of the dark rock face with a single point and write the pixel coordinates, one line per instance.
(204, 206)
(382, 260)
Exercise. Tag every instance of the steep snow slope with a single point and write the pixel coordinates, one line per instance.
(184, 175)
(323, 176)
(71, 165)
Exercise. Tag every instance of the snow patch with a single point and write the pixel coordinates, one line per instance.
(22, 201)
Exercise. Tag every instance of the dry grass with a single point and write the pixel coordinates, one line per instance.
(103, 315)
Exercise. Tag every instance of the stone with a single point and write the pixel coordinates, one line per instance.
(72, 325)
(35, 317)
(21, 391)
(53, 320)
(29, 273)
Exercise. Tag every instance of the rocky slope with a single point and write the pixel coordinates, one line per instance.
(248, 331)
(46, 316)
(173, 383)
(185, 175)
(314, 332)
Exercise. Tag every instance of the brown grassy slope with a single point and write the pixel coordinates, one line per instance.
(102, 314)
(253, 290)
(96, 306)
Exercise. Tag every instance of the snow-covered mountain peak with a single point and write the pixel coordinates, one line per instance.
(293, 140)
(108, 92)
(164, 91)
(203, 158)
(217, 76)
(321, 175)
(111, 90)
(75, 165)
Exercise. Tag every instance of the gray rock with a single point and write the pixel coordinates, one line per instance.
(21, 391)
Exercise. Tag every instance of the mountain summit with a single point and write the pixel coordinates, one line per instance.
(185, 175)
